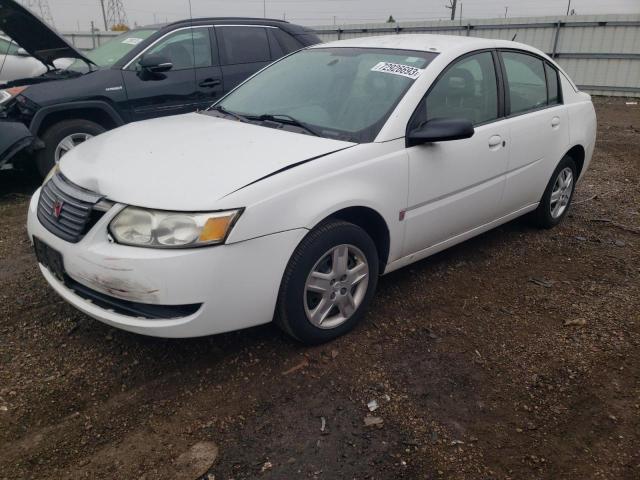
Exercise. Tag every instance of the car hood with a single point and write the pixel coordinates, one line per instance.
(187, 162)
(35, 36)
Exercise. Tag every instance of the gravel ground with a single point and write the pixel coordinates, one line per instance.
(514, 355)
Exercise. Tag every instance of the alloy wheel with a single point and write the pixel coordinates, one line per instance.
(336, 286)
(69, 142)
(561, 193)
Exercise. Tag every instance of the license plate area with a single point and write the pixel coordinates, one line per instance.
(50, 258)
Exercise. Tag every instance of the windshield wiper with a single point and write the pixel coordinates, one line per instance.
(221, 109)
(287, 120)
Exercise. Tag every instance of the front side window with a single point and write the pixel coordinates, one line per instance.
(189, 48)
(344, 93)
(243, 45)
(8, 47)
(468, 89)
(526, 82)
(115, 49)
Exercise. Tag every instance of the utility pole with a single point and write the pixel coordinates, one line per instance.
(264, 8)
(104, 15)
(452, 6)
(506, 10)
(116, 14)
(460, 13)
(568, 7)
(41, 9)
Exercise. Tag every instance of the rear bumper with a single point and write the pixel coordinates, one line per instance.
(226, 287)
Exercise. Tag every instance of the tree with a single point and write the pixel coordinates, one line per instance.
(391, 19)
(120, 27)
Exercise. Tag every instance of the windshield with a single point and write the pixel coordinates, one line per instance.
(112, 51)
(342, 93)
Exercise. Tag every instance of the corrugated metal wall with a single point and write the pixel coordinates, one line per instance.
(600, 52)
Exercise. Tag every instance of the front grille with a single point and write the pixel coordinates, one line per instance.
(67, 210)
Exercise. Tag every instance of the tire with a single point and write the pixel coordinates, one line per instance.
(345, 299)
(52, 136)
(546, 215)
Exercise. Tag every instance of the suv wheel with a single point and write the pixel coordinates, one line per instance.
(328, 284)
(62, 137)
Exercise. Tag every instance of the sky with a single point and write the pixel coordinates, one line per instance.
(77, 14)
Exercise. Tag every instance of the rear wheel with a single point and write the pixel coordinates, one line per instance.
(329, 283)
(62, 137)
(557, 197)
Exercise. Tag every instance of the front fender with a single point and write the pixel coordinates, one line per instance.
(373, 175)
(101, 105)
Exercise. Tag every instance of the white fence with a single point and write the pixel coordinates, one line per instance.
(601, 53)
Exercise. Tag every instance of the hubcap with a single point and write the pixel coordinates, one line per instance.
(69, 142)
(336, 286)
(561, 193)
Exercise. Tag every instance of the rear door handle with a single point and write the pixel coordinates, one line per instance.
(209, 82)
(555, 121)
(495, 141)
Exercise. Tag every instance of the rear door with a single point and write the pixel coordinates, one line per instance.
(244, 49)
(538, 126)
(177, 90)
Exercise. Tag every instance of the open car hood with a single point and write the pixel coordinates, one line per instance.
(35, 36)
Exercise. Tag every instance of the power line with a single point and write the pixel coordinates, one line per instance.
(115, 14)
(41, 9)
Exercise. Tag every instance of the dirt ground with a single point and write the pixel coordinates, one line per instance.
(515, 355)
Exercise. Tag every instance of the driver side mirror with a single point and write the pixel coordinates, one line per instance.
(155, 63)
(440, 130)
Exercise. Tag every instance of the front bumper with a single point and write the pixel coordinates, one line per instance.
(236, 284)
(14, 137)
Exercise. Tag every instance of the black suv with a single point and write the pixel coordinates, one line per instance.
(143, 73)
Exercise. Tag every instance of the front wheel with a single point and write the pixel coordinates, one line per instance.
(557, 197)
(62, 137)
(329, 283)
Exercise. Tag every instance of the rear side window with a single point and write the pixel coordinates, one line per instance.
(286, 41)
(552, 84)
(526, 82)
(467, 89)
(243, 45)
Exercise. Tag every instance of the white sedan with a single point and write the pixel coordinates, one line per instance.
(289, 197)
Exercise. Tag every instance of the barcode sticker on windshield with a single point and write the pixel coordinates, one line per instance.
(132, 41)
(398, 69)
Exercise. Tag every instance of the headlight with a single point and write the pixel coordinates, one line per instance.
(160, 229)
(8, 93)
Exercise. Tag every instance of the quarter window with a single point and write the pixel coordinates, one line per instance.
(184, 49)
(552, 84)
(468, 89)
(244, 45)
(526, 82)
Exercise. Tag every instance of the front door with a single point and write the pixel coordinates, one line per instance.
(177, 90)
(455, 186)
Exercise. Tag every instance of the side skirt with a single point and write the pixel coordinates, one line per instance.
(414, 257)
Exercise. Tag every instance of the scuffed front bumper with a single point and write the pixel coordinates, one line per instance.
(237, 284)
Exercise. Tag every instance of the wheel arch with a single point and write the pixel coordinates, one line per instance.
(372, 222)
(577, 153)
(96, 111)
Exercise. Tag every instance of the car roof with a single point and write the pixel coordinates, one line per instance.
(428, 42)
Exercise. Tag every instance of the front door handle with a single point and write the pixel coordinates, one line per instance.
(209, 82)
(495, 141)
(555, 121)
